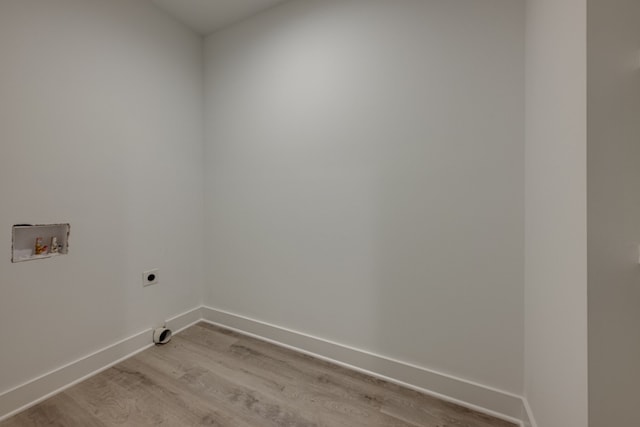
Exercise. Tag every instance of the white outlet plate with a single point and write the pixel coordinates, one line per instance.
(150, 277)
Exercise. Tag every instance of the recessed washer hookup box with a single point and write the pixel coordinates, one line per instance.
(31, 242)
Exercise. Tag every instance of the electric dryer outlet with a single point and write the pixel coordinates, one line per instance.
(150, 277)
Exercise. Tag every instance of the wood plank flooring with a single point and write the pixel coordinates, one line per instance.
(214, 377)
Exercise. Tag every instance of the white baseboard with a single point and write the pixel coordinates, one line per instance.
(527, 414)
(184, 320)
(38, 389)
(485, 399)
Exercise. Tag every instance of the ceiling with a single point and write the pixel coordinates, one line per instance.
(207, 16)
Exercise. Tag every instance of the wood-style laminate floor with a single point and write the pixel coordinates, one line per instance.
(211, 376)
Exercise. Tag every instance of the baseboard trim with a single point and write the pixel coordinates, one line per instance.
(41, 388)
(475, 396)
(527, 414)
(183, 321)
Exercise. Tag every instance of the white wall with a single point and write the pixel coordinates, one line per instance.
(100, 126)
(555, 267)
(614, 211)
(364, 178)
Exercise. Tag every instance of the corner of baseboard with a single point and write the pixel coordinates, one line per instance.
(527, 414)
(184, 320)
(475, 396)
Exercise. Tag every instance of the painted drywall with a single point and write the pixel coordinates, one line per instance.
(364, 178)
(100, 126)
(555, 249)
(613, 153)
(205, 17)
